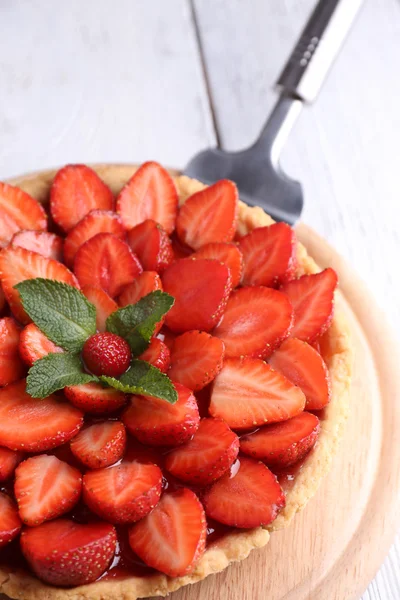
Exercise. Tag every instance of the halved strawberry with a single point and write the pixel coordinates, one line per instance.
(201, 288)
(33, 344)
(282, 444)
(256, 320)
(8, 463)
(77, 190)
(94, 398)
(106, 262)
(269, 255)
(248, 392)
(312, 298)
(250, 496)
(11, 366)
(196, 359)
(47, 244)
(97, 221)
(229, 254)
(18, 264)
(146, 282)
(45, 488)
(18, 210)
(100, 445)
(123, 493)
(150, 242)
(172, 537)
(157, 423)
(149, 194)
(157, 354)
(105, 305)
(10, 523)
(209, 215)
(304, 367)
(207, 456)
(34, 424)
(2, 300)
(65, 553)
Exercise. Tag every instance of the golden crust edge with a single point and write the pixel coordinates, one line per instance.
(236, 546)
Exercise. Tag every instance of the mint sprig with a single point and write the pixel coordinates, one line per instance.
(55, 372)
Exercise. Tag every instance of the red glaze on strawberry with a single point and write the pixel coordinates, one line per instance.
(282, 444)
(312, 297)
(18, 210)
(151, 244)
(157, 354)
(34, 345)
(10, 523)
(229, 254)
(65, 553)
(156, 423)
(105, 305)
(145, 283)
(248, 392)
(249, 496)
(172, 537)
(45, 488)
(201, 289)
(9, 459)
(100, 445)
(304, 367)
(149, 194)
(123, 493)
(106, 354)
(207, 456)
(255, 322)
(209, 215)
(94, 398)
(196, 359)
(34, 424)
(11, 366)
(77, 190)
(47, 244)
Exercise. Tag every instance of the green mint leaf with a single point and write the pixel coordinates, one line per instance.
(145, 380)
(136, 322)
(54, 372)
(60, 311)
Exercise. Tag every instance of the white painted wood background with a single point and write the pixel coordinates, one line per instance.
(122, 80)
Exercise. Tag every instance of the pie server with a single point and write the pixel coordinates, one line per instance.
(256, 170)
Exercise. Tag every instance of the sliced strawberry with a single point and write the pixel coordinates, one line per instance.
(2, 300)
(145, 283)
(167, 337)
(255, 322)
(100, 445)
(157, 423)
(150, 242)
(312, 297)
(8, 463)
(33, 424)
(94, 398)
(201, 288)
(149, 194)
(65, 553)
(97, 221)
(157, 354)
(19, 264)
(76, 191)
(123, 493)
(179, 249)
(11, 366)
(10, 523)
(18, 210)
(282, 444)
(207, 456)
(229, 254)
(209, 215)
(172, 537)
(196, 359)
(47, 244)
(250, 496)
(105, 305)
(33, 345)
(269, 255)
(45, 488)
(304, 367)
(248, 393)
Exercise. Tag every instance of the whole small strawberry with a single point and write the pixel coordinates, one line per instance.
(106, 354)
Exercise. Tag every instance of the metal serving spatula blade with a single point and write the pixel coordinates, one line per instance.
(256, 170)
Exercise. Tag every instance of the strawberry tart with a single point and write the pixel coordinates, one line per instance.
(174, 381)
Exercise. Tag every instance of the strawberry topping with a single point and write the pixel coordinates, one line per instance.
(11, 365)
(18, 210)
(100, 445)
(106, 354)
(34, 345)
(151, 244)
